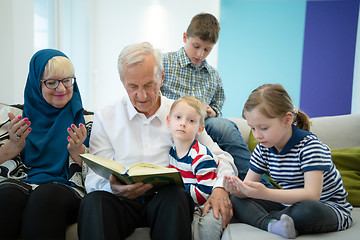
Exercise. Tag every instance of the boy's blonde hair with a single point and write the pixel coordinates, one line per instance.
(205, 26)
(194, 103)
(58, 65)
(273, 101)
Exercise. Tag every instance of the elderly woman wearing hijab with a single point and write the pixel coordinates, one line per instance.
(44, 196)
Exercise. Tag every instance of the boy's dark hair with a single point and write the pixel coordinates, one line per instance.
(205, 26)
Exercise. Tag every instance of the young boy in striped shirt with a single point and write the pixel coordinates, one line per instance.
(194, 161)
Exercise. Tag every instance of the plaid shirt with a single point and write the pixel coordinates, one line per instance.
(184, 78)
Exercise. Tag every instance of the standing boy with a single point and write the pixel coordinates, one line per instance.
(188, 73)
(195, 162)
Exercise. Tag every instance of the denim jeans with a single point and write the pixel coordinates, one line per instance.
(227, 135)
(308, 216)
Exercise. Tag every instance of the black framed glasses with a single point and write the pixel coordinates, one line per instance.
(54, 83)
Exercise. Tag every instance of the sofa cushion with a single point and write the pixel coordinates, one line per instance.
(243, 231)
(347, 161)
(337, 131)
(252, 142)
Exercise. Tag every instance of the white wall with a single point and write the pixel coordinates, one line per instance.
(97, 37)
(119, 23)
(98, 31)
(76, 40)
(16, 48)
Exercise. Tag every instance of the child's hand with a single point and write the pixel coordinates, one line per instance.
(226, 183)
(209, 111)
(230, 184)
(252, 189)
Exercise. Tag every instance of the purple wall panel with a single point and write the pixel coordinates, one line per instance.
(328, 57)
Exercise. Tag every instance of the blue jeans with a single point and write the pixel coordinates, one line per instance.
(227, 135)
(308, 216)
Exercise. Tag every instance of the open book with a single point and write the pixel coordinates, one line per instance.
(139, 172)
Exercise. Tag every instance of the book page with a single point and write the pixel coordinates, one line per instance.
(139, 172)
(147, 168)
(110, 164)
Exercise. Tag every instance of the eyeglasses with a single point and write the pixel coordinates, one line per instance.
(54, 83)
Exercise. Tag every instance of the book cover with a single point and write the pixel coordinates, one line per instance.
(139, 172)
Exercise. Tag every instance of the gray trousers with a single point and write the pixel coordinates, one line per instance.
(206, 227)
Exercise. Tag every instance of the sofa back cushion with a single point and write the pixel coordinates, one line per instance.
(341, 131)
(338, 131)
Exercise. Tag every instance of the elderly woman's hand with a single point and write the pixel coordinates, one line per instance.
(18, 130)
(76, 139)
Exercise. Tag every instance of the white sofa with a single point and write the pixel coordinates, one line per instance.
(337, 132)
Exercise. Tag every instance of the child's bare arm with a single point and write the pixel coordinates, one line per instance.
(311, 191)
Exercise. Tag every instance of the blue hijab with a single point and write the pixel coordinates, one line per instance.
(46, 151)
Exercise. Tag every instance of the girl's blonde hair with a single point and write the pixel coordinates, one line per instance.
(194, 103)
(58, 65)
(273, 101)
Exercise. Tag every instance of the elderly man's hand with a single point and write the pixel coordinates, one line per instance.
(220, 202)
(131, 191)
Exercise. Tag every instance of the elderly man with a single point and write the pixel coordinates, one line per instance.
(134, 130)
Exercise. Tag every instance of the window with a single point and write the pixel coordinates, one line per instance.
(44, 24)
(65, 25)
